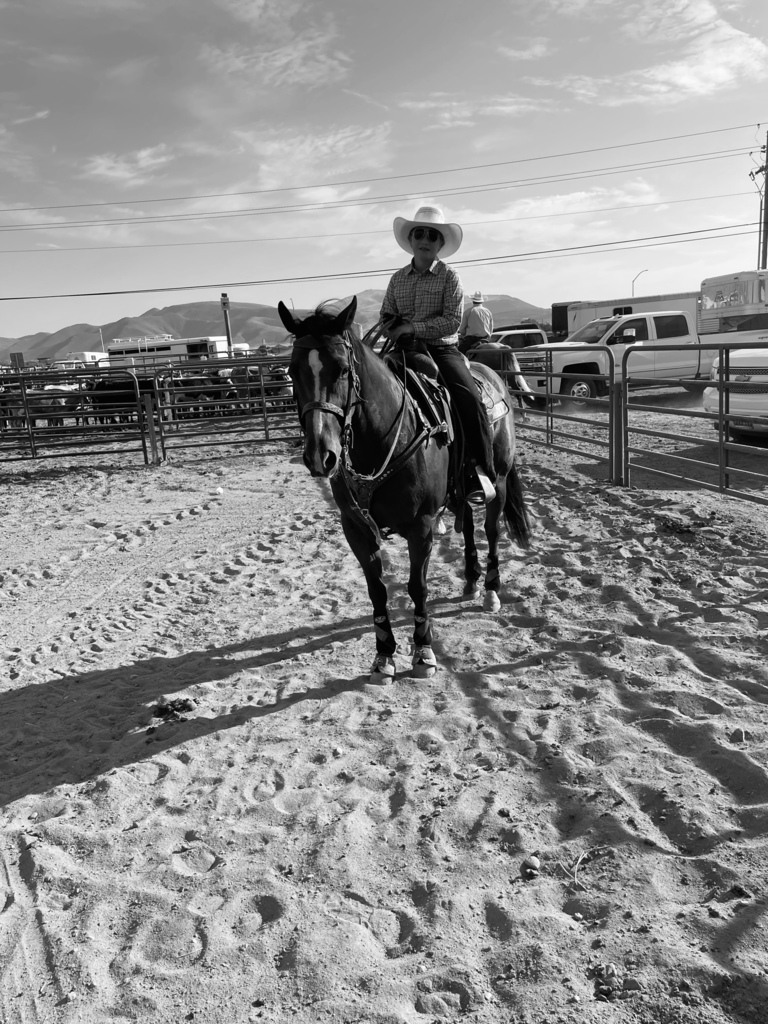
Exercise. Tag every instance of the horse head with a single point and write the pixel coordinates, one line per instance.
(324, 382)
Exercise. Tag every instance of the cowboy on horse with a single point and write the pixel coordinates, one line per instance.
(426, 301)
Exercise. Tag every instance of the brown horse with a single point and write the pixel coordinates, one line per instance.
(388, 471)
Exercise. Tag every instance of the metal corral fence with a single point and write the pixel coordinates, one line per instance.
(644, 431)
(47, 414)
(654, 431)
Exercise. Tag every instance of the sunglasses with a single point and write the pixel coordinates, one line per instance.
(431, 233)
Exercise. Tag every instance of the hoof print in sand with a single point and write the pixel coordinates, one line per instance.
(167, 945)
(444, 995)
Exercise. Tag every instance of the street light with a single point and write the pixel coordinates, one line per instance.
(635, 278)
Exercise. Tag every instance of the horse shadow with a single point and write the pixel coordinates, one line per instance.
(72, 729)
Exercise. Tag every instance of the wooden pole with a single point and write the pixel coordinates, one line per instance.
(227, 326)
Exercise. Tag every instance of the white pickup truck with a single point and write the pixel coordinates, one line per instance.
(645, 332)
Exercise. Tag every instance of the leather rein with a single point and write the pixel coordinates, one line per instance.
(361, 486)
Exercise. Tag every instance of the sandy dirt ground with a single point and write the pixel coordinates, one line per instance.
(207, 812)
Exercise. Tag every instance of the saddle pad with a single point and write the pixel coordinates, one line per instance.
(496, 405)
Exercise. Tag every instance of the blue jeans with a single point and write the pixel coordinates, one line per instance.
(455, 374)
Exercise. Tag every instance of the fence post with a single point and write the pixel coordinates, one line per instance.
(616, 413)
(149, 419)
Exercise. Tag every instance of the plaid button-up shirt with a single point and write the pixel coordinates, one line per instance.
(433, 301)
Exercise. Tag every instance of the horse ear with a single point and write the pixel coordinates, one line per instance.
(285, 315)
(346, 316)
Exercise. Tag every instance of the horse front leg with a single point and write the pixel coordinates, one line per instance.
(367, 551)
(419, 551)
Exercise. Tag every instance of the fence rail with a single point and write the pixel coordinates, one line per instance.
(655, 428)
(48, 414)
(643, 429)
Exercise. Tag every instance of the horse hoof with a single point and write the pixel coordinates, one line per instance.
(491, 602)
(424, 663)
(383, 668)
(470, 588)
(440, 525)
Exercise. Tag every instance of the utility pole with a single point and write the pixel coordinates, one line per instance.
(227, 327)
(762, 236)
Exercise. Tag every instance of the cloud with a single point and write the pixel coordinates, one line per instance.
(452, 110)
(286, 46)
(309, 59)
(706, 53)
(258, 12)
(336, 153)
(533, 49)
(131, 169)
(39, 116)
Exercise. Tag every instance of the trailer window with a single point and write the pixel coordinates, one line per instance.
(675, 326)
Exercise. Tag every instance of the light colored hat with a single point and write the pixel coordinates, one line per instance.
(428, 217)
(478, 297)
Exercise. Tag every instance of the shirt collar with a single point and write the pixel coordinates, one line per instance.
(434, 269)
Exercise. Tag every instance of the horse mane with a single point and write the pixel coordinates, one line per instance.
(318, 322)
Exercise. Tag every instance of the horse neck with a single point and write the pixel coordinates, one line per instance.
(381, 392)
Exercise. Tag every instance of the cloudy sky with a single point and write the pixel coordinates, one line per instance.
(157, 144)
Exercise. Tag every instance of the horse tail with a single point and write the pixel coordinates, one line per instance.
(515, 512)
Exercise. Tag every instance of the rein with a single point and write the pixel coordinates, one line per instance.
(361, 486)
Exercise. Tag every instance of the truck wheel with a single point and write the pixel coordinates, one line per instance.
(577, 389)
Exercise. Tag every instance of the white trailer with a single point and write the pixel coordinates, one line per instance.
(165, 350)
(568, 317)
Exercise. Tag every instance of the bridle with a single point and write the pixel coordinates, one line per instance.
(361, 485)
(354, 398)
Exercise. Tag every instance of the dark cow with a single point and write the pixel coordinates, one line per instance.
(276, 391)
(113, 399)
(202, 395)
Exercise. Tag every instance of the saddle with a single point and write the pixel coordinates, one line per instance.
(432, 399)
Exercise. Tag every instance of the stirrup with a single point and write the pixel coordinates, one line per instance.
(488, 490)
(383, 666)
(424, 662)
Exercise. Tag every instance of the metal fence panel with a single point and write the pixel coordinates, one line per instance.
(50, 414)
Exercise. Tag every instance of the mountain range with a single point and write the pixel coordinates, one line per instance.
(250, 322)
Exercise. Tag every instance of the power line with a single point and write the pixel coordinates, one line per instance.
(382, 231)
(373, 200)
(597, 247)
(388, 177)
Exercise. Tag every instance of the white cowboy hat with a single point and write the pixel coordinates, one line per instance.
(478, 297)
(428, 217)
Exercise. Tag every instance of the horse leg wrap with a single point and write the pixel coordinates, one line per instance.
(383, 667)
(385, 638)
(422, 632)
(424, 662)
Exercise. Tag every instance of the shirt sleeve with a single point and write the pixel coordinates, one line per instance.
(444, 325)
(389, 303)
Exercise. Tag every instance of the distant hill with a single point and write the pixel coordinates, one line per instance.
(250, 322)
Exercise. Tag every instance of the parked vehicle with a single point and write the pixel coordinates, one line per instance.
(744, 394)
(728, 302)
(520, 337)
(568, 317)
(165, 350)
(652, 335)
(645, 332)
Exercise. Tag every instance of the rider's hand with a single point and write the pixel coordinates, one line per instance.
(404, 330)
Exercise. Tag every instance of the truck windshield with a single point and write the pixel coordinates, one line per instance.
(592, 332)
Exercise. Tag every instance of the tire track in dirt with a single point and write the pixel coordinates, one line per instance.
(31, 983)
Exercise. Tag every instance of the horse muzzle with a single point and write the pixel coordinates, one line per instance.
(321, 462)
(322, 444)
